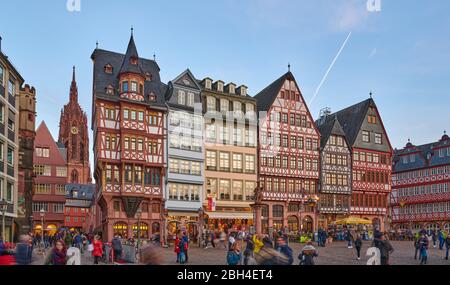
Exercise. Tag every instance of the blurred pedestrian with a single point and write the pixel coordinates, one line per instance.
(307, 254)
(97, 253)
(358, 246)
(24, 250)
(384, 246)
(58, 254)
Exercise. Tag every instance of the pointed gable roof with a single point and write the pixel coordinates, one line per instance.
(131, 53)
(193, 80)
(330, 127)
(268, 95)
(351, 118)
(45, 139)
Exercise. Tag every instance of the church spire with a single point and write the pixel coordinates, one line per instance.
(73, 88)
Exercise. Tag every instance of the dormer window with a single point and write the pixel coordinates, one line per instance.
(134, 60)
(108, 69)
(243, 91)
(148, 77)
(220, 86)
(152, 97)
(208, 84)
(110, 90)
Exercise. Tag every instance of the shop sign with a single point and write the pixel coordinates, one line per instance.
(211, 204)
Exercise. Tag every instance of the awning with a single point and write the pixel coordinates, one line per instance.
(230, 215)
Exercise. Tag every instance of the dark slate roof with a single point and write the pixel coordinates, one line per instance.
(330, 127)
(85, 191)
(351, 119)
(268, 95)
(131, 53)
(102, 79)
(427, 155)
(62, 150)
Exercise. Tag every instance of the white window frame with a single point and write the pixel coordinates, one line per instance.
(181, 97)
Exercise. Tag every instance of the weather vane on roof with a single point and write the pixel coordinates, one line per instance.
(132, 30)
(289, 66)
(371, 94)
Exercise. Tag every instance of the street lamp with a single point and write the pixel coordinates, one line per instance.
(42, 214)
(3, 208)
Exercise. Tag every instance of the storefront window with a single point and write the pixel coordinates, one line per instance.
(143, 230)
(121, 229)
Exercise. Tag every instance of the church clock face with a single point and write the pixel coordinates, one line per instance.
(74, 130)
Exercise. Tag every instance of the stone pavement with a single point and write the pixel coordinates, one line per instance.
(334, 254)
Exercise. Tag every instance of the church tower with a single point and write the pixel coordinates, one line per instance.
(73, 134)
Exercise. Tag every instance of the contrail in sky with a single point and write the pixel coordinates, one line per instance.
(329, 69)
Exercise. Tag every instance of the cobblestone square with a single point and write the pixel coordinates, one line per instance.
(334, 254)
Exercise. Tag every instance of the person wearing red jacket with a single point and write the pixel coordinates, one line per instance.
(6, 255)
(98, 249)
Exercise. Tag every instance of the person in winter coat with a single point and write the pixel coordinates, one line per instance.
(423, 243)
(447, 245)
(358, 246)
(24, 250)
(434, 237)
(186, 246)
(258, 244)
(307, 254)
(283, 248)
(349, 239)
(233, 255)
(117, 247)
(97, 253)
(58, 254)
(384, 246)
(441, 239)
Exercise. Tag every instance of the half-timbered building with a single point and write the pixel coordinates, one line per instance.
(371, 161)
(184, 190)
(288, 151)
(335, 186)
(420, 196)
(128, 121)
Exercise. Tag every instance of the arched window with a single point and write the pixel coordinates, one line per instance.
(74, 176)
(293, 224)
(143, 230)
(121, 229)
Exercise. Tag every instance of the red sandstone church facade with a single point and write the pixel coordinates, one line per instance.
(74, 136)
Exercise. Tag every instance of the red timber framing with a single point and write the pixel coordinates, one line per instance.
(288, 154)
(371, 182)
(129, 144)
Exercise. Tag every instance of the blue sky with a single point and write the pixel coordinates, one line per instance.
(401, 53)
